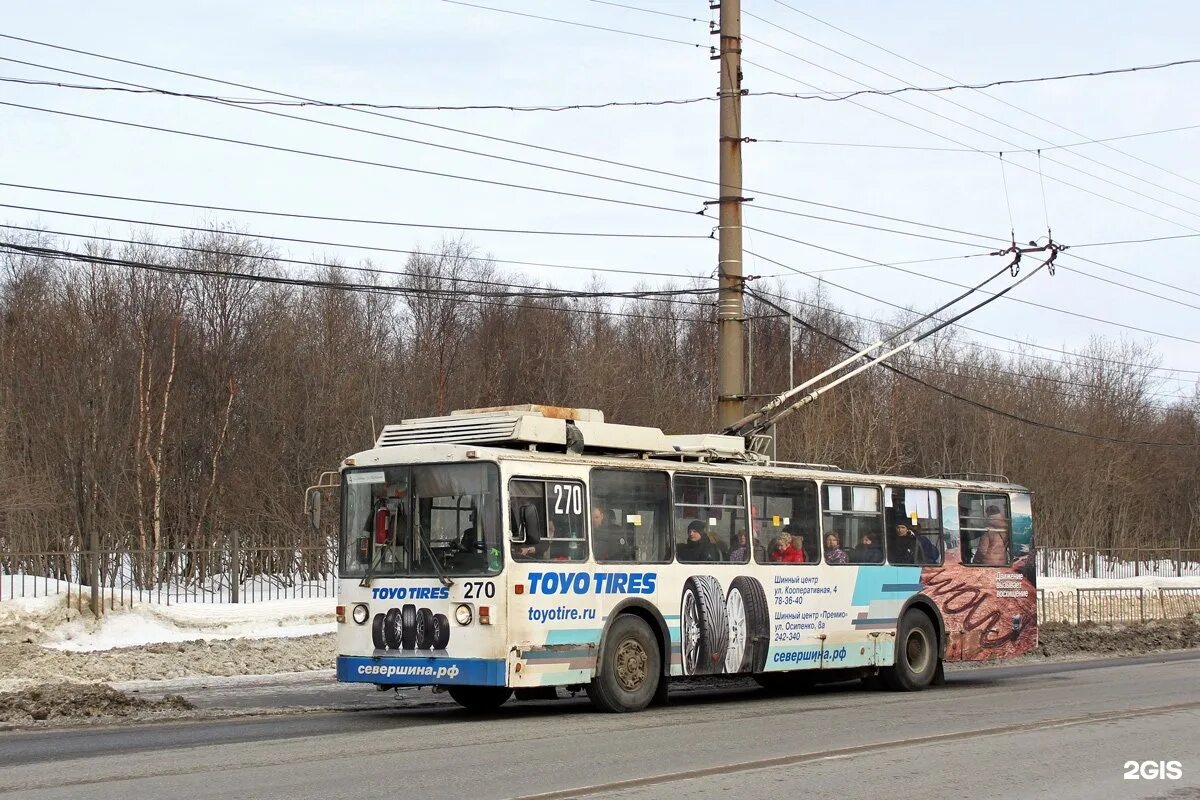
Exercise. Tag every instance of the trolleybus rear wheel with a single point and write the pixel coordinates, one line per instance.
(916, 655)
(630, 668)
(480, 698)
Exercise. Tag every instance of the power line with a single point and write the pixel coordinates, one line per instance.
(477, 134)
(1068, 353)
(650, 11)
(462, 295)
(985, 94)
(352, 220)
(350, 160)
(1012, 354)
(259, 236)
(982, 406)
(974, 150)
(965, 125)
(834, 97)
(978, 150)
(242, 101)
(577, 24)
(550, 167)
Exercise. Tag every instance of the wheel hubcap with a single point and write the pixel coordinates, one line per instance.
(691, 634)
(631, 663)
(737, 632)
(916, 651)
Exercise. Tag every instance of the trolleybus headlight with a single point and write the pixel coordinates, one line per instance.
(361, 613)
(462, 614)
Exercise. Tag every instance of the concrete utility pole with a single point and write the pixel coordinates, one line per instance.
(730, 366)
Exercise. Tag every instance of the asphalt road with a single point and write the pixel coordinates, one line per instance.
(1050, 730)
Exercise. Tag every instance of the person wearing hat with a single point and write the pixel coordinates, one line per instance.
(697, 548)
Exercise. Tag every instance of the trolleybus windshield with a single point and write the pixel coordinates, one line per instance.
(422, 520)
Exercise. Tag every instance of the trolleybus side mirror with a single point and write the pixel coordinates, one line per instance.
(312, 509)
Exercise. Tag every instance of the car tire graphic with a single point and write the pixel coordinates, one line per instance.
(703, 628)
(391, 628)
(424, 628)
(377, 632)
(440, 631)
(749, 626)
(408, 627)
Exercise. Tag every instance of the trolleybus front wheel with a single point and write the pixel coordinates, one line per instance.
(480, 698)
(631, 667)
(916, 655)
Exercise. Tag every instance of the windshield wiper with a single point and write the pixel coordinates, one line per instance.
(437, 564)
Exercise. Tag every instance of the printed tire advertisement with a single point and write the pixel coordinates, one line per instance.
(410, 629)
(723, 632)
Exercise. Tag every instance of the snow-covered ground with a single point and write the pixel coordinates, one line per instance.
(55, 624)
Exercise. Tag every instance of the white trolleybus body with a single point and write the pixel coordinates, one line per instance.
(527, 548)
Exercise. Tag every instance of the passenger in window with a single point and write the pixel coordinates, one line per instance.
(993, 544)
(834, 554)
(868, 551)
(611, 542)
(782, 550)
(721, 547)
(739, 551)
(905, 547)
(697, 547)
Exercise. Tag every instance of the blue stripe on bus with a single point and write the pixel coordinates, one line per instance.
(573, 636)
(902, 587)
(421, 671)
(877, 583)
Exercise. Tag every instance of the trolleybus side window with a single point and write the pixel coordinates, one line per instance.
(631, 516)
(547, 520)
(787, 511)
(852, 515)
(985, 522)
(710, 519)
(914, 525)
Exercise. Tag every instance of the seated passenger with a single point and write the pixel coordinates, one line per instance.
(783, 552)
(868, 550)
(739, 552)
(902, 545)
(834, 554)
(697, 548)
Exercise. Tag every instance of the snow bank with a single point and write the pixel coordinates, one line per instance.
(149, 623)
(52, 623)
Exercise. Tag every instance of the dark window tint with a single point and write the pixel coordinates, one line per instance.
(986, 526)
(852, 515)
(631, 516)
(785, 522)
(548, 520)
(914, 525)
(710, 519)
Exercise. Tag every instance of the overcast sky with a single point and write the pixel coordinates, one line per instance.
(428, 52)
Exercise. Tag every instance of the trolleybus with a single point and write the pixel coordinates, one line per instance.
(527, 548)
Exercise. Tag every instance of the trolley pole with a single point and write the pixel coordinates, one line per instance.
(730, 307)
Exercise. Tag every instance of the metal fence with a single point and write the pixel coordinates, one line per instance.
(1117, 605)
(1118, 562)
(171, 576)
